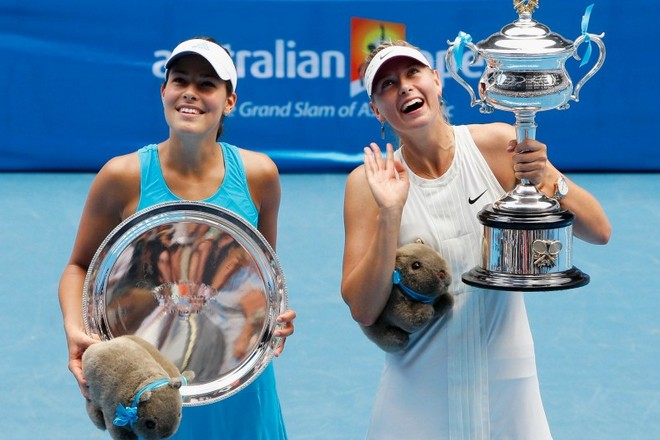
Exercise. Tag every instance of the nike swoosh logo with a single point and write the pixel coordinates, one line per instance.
(473, 201)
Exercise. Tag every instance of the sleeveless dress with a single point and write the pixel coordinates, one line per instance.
(253, 413)
(470, 375)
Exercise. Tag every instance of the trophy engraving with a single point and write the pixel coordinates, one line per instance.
(546, 252)
(527, 238)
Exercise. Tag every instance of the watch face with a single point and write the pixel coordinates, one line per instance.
(562, 186)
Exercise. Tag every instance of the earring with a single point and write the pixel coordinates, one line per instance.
(382, 129)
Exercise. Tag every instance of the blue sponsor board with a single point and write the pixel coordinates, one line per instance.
(80, 81)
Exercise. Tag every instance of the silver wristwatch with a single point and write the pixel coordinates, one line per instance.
(561, 188)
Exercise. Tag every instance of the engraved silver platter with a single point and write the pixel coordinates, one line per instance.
(199, 283)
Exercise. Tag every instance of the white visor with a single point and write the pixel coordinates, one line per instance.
(384, 56)
(213, 53)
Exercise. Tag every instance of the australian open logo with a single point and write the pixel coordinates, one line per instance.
(366, 35)
(286, 59)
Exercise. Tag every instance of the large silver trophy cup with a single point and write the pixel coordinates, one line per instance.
(527, 242)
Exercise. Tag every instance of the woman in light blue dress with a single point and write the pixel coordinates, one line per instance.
(198, 92)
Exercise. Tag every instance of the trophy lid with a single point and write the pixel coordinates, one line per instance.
(526, 36)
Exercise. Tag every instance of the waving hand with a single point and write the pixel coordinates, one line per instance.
(387, 177)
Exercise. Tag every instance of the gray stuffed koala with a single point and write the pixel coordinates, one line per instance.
(419, 294)
(133, 389)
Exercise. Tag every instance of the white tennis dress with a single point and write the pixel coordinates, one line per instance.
(472, 374)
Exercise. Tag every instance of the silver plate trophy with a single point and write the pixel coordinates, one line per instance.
(198, 282)
(527, 242)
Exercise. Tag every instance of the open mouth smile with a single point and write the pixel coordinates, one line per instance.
(189, 110)
(412, 105)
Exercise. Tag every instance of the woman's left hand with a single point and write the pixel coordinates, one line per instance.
(530, 158)
(284, 328)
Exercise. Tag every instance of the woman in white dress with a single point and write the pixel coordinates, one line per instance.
(470, 375)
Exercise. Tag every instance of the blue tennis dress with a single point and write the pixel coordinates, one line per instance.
(254, 413)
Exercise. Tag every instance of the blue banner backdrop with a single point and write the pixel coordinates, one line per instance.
(80, 81)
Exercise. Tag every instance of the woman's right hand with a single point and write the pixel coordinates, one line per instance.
(78, 342)
(387, 177)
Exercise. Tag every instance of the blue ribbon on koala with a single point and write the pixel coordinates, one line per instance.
(128, 416)
(412, 294)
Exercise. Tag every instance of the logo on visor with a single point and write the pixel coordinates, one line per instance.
(201, 45)
(383, 55)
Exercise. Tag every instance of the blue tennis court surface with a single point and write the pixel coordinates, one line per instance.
(597, 347)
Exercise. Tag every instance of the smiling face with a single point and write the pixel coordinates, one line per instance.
(195, 98)
(406, 94)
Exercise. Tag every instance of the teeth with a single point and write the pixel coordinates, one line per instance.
(191, 111)
(411, 103)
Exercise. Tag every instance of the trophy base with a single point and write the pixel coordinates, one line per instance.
(527, 245)
(486, 279)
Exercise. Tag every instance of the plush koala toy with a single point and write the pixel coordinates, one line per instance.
(419, 293)
(133, 389)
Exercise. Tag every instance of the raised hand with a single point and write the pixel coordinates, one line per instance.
(387, 177)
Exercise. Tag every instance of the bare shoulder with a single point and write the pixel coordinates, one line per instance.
(113, 196)
(356, 174)
(358, 194)
(263, 180)
(122, 167)
(356, 180)
(492, 141)
(258, 165)
(117, 184)
(493, 136)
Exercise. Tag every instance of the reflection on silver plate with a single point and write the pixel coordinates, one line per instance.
(198, 282)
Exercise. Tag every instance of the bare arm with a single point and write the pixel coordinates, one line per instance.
(104, 208)
(591, 223)
(512, 161)
(373, 204)
(264, 183)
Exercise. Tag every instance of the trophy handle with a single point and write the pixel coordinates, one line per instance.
(453, 71)
(601, 59)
